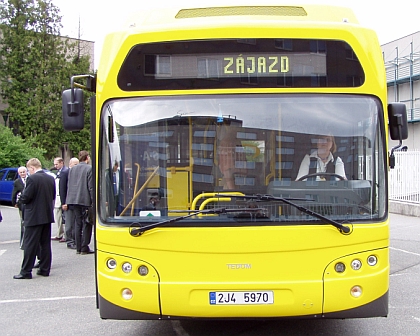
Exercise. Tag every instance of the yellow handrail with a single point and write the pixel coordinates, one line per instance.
(212, 194)
(135, 186)
(213, 199)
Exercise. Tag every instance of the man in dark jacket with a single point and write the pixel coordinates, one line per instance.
(38, 198)
(79, 200)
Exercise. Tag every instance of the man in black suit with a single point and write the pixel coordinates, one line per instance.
(79, 199)
(18, 186)
(38, 198)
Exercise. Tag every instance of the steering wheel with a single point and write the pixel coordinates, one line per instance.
(341, 178)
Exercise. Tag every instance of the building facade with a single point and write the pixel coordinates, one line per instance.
(402, 64)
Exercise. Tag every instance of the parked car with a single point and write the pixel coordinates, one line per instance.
(7, 177)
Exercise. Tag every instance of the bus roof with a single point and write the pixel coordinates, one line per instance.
(243, 22)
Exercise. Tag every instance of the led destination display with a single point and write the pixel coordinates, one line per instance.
(231, 65)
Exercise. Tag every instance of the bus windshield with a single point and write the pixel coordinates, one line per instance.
(168, 156)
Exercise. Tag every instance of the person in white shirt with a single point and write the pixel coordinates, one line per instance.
(18, 186)
(322, 160)
(58, 212)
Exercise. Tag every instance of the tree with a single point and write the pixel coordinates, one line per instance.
(36, 63)
(14, 152)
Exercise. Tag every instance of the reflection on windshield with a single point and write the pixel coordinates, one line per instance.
(173, 154)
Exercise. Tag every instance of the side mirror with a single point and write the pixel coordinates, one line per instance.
(73, 111)
(398, 126)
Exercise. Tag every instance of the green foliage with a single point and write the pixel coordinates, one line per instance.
(36, 64)
(14, 152)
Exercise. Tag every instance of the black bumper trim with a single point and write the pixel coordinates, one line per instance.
(108, 310)
(377, 308)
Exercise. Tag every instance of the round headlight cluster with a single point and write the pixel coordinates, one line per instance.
(356, 264)
(356, 291)
(126, 267)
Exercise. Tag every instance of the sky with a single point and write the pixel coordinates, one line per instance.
(390, 20)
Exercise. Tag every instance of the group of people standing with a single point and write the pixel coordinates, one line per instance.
(43, 199)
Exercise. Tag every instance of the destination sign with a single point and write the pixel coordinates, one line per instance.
(215, 66)
(240, 63)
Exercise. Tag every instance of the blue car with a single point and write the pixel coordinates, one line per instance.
(7, 177)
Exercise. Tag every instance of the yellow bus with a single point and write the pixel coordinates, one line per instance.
(241, 159)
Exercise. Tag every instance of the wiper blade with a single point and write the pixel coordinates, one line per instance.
(138, 231)
(268, 198)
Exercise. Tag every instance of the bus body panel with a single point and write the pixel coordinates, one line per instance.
(294, 263)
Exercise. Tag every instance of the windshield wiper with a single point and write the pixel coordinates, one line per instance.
(268, 198)
(138, 231)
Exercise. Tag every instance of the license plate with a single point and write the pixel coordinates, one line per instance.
(241, 298)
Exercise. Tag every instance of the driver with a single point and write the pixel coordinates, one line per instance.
(322, 160)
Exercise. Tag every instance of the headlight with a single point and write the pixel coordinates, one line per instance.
(111, 263)
(127, 294)
(126, 267)
(372, 260)
(356, 264)
(356, 291)
(340, 267)
(143, 270)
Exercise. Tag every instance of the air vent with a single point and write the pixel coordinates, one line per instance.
(241, 10)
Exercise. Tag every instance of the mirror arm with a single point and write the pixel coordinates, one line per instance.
(392, 156)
